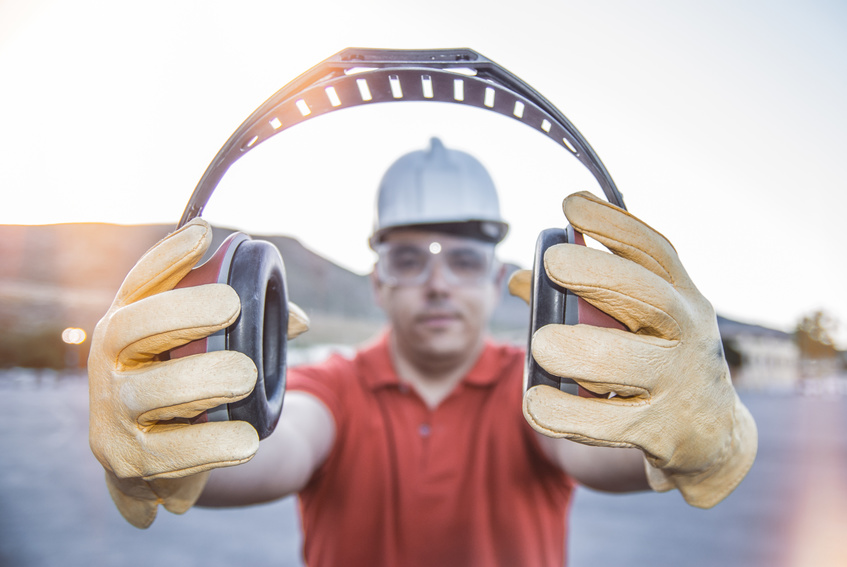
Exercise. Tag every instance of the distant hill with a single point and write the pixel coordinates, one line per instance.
(66, 275)
(62, 275)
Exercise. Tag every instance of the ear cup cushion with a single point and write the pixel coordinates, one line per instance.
(548, 306)
(261, 331)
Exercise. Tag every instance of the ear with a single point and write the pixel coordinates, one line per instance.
(377, 287)
(500, 278)
(499, 284)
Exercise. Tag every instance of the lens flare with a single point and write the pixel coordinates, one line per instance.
(73, 336)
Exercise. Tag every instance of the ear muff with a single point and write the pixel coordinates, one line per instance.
(551, 304)
(255, 270)
(356, 77)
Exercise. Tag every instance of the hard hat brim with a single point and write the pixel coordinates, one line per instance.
(487, 231)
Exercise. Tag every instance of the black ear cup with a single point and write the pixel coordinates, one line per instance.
(552, 304)
(261, 331)
(255, 270)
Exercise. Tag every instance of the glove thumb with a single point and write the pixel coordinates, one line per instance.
(520, 284)
(298, 321)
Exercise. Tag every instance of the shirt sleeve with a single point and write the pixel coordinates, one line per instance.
(325, 381)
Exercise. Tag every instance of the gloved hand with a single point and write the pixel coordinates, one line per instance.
(675, 400)
(141, 406)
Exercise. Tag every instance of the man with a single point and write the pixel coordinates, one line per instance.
(415, 452)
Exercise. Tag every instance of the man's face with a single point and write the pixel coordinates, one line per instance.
(438, 291)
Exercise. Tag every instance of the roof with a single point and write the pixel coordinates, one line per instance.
(730, 328)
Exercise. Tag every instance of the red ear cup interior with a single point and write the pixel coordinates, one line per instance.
(551, 304)
(255, 270)
(587, 314)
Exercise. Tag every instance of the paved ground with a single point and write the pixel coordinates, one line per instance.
(791, 511)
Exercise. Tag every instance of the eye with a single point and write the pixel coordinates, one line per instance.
(407, 259)
(467, 261)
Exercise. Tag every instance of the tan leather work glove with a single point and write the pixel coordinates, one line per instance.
(140, 406)
(675, 400)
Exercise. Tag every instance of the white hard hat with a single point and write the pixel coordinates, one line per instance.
(441, 189)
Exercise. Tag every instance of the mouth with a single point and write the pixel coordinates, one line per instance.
(438, 318)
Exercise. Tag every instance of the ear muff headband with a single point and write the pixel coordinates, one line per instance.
(355, 77)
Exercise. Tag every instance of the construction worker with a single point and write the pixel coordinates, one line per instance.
(422, 449)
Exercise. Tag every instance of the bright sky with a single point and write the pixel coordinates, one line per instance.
(722, 123)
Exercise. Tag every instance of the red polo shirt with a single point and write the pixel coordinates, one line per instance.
(464, 484)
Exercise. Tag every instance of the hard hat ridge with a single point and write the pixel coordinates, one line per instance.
(441, 189)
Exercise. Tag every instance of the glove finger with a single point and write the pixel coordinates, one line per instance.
(601, 360)
(636, 297)
(133, 499)
(186, 387)
(298, 321)
(520, 285)
(591, 421)
(625, 235)
(178, 495)
(170, 319)
(166, 263)
(179, 450)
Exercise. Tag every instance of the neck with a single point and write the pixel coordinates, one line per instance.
(433, 377)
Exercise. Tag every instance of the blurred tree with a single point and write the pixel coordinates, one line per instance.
(814, 335)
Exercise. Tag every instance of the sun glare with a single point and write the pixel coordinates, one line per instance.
(73, 336)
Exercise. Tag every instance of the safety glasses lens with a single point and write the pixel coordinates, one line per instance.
(405, 262)
(467, 264)
(412, 264)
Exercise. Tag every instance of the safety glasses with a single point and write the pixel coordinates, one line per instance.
(463, 262)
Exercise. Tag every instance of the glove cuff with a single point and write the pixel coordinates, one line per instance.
(707, 488)
(138, 500)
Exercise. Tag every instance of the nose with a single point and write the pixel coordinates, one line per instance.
(437, 281)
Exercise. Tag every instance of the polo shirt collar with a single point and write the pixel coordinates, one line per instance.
(378, 371)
